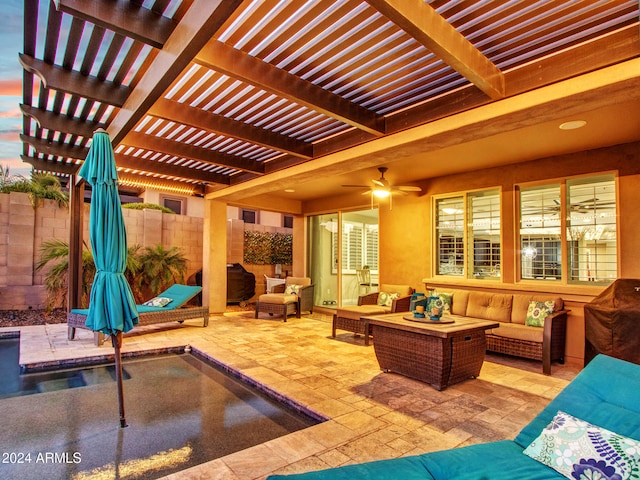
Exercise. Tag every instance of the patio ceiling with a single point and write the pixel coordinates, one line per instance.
(207, 96)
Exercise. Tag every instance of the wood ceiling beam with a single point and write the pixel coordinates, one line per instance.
(130, 162)
(123, 17)
(61, 123)
(56, 149)
(75, 83)
(180, 149)
(239, 65)
(126, 162)
(195, 29)
(52, 167)
(201, 119)
(422, 22)
(143, 182)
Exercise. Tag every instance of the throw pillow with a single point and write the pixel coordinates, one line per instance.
(292, 289)
(386, 299)
(537, 312)
(446, 301)
(158, 302)
(579, 450)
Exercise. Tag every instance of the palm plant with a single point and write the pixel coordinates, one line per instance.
(160, 268)
(56, 278)
(41, 186)
(56, 253)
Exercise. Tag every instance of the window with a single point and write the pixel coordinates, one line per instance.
(540, 233)
(591, 230)
(586, 214)
(450, 236)
(249, 216)
(479, 255)
(484, 233)
(287, 221)
(173, 204)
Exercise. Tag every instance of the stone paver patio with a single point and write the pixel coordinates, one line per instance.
(372, 415)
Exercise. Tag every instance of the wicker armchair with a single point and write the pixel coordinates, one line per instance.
(280, 303)
(350, 318)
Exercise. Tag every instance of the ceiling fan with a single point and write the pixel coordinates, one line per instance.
(584, 206)
(381, 187)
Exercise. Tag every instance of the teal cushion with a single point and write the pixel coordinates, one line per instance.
(501, 460)
(180, 294)
(603, 393)
(406, 468)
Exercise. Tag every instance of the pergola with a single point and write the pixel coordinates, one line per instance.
(204, 96)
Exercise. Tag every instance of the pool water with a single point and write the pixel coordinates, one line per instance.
(180, 410)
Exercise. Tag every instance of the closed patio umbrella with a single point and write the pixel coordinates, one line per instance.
(112, 308)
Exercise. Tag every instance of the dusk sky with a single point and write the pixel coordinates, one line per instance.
(11, 87)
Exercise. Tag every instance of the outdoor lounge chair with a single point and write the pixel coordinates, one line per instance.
(283, 301)
(151, 315)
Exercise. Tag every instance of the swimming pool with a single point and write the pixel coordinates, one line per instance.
(181, 412)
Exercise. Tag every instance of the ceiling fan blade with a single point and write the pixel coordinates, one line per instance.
(357, 186)
(380, 183)
(408, 188)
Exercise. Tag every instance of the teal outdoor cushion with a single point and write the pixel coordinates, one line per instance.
(405, 468)
(605, 393)
(501, 460)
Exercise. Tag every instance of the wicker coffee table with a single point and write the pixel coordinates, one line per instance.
(439, 354)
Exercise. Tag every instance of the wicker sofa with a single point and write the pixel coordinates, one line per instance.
(514, 337)
(350, 318)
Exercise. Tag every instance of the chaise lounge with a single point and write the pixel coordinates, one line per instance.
(173, 311)
(591, 430)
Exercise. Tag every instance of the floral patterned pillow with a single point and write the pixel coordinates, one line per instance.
(537, 312)
(386, 299)
(292, 289)
(158, 302)
(579, 450)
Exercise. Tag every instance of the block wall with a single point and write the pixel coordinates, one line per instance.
(23, 229)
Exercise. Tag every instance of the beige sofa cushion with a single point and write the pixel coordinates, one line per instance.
(459, 301)
(518, 332)
(521, 304)
(304, 281)
(278, 298)
(402, 290)
(490, 306)
(357, 311)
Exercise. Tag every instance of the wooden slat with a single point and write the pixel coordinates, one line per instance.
(423, 23)
(210, 122)
(61, 123)
(75, 83)
(237, 64)
(199, 24)
(181, 149)
(123, 17)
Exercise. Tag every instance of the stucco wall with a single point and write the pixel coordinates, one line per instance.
(406, 234)
(23, 229)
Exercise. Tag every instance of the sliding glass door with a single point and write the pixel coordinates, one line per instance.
(343, 256)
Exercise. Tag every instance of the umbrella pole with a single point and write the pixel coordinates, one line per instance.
(116, 341)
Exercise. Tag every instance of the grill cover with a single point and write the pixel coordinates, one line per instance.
(612, 322)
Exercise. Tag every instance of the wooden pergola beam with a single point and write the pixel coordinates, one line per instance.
(61, 123)
(201, 119)
(181, 149)
(68, 169)
(239, 65)
(123, 17)
(422, 22)
(201, 21)
(75, 83)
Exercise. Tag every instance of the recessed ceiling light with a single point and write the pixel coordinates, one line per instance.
(572, 125)
(289, 190)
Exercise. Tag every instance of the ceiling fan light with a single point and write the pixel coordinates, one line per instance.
(381, 193)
